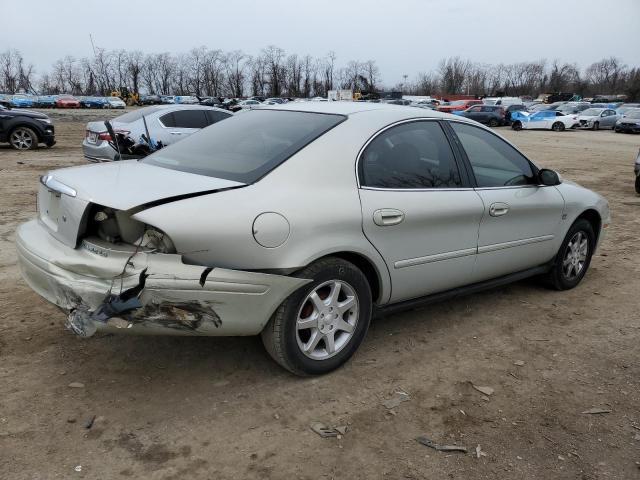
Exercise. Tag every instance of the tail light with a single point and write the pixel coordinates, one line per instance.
(503, 112)
(104, 136)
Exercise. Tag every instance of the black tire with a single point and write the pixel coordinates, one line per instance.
(558, 127)
(493, 122)
(638, 184)
(23, 138)
(517, 125)
(596, 126)
(280, 336)
(557, 278)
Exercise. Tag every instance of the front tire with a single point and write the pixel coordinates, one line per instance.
(517, 125)
(596, 126)
(638, 184)
(23, 138)
(574, 257)
(321, 325)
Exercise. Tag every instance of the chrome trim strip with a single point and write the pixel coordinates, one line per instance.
(438, 257)
(56, 186)
(514, 243)
(410, 262)
(460, 189)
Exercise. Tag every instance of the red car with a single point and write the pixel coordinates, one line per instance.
(458, 105)
(67, 101)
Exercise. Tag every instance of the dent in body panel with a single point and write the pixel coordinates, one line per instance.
(155, 294)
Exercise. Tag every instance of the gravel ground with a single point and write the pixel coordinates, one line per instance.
(218, 408)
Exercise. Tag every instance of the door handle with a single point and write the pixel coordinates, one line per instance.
(498, 209)
(386, 217)
(175, 133)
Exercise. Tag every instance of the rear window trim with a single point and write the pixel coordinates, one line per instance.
(342, 118)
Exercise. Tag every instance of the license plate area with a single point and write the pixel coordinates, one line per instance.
(49, 208)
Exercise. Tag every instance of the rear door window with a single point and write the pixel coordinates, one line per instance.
(190, 119)
(410, 155)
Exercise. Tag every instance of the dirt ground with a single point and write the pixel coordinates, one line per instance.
(219, 408)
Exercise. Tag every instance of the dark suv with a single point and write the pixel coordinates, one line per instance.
(492, 115)
(23, 129)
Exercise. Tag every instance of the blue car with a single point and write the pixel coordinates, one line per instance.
(45, 101)
(543, 120)
(22, 101)
(94, 102)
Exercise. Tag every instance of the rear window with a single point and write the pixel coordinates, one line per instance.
(247, 146)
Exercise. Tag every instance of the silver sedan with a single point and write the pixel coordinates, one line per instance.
(165, 124)
(297, 221)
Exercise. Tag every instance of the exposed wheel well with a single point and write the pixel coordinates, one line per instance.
(593, 217)
(365, 265)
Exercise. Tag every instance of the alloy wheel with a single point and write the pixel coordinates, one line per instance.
(21, 139)
(575, 256)
(327, 319)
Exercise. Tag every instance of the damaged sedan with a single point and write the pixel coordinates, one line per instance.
(298, 222)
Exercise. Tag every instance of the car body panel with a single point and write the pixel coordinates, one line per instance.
(431, 249)
(526, 236)
(143, 183)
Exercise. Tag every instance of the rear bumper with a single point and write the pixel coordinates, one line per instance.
(101, 152)
(627, 128)
(177, 299)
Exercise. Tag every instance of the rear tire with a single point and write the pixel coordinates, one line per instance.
(493, 122)
(558, 127)
(517, 125)
(320, 326)
(638, 184)
(573, 258)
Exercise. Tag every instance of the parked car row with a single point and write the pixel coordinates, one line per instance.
(60, 101)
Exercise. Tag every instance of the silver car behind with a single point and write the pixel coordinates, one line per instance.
(166, 123)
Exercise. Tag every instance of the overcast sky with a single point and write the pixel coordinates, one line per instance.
(402, 36)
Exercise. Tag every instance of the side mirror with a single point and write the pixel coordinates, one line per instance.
(548, 177)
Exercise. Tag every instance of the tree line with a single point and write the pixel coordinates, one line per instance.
(210, 72)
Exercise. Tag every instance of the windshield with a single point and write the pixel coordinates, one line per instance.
(635, 113)
(592, 112)
(245, 147)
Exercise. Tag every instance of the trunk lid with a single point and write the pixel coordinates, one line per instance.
(122, 185)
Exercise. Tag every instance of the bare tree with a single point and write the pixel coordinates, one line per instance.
(453, 72)
(607, 75)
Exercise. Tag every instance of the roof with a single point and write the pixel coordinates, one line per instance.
(351, 108)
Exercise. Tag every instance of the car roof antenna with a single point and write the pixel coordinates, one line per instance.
(113, 136)
(146, 129)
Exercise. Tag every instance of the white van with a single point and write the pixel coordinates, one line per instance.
(505, 101)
